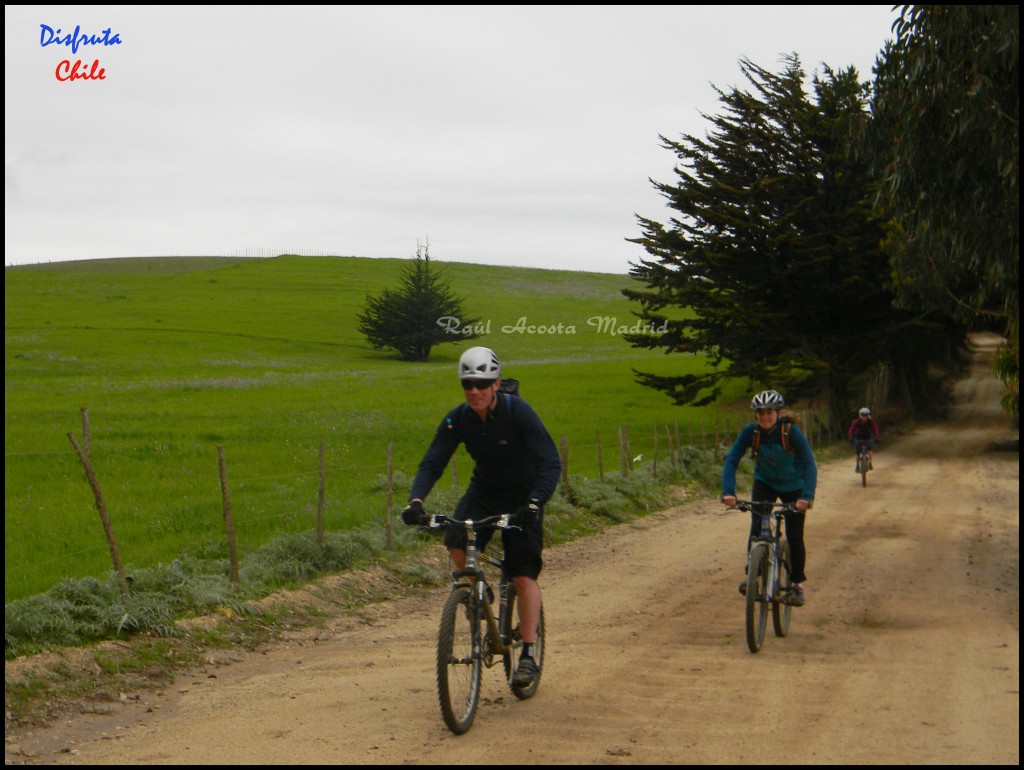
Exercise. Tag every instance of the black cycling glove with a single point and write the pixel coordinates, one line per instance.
(526, 514)
(414, 514)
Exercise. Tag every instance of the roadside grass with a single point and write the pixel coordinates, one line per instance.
(86, 610)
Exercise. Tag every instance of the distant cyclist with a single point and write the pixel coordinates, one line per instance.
(864, 433)
(784, 469)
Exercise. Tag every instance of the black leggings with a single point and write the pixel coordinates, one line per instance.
(763, 493)
(863, 443)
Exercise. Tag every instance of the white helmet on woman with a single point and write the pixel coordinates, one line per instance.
(767, 399)
(865, 412)
(479, 364)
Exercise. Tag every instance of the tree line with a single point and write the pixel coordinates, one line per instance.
(817, 236)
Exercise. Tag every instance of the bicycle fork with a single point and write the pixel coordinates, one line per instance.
(771, 584)
(772, 570)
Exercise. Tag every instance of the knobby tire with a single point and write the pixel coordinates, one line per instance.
(458, 661)
(757, 596)
(781, 612)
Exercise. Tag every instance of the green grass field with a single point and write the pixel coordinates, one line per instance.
(172, 357)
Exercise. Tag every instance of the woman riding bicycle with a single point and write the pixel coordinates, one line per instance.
(784, 469)
(517, 469)
(864, 433)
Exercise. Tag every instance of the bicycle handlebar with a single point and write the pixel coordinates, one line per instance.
(501, 520)
(748, 505)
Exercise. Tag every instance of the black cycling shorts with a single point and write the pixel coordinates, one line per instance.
(523, 547)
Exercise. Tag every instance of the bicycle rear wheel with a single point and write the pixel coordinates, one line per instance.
(510, 631)
(757, 596)
(781, 612)
(459, 660)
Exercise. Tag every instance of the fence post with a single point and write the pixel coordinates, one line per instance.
(390, 492)
(629, 452)
(622, 452)
(655, 471)
(565, 461)
(320, 501)
(86, 432)
(101, 506)
(600, 461)
(229, 525)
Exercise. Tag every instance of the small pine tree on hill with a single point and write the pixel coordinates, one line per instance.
(406, 319)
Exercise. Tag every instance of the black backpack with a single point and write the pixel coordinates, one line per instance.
(509, 386)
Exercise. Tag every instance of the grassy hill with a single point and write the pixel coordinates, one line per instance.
(173, 357)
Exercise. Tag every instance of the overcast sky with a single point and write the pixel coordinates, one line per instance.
(513, 135)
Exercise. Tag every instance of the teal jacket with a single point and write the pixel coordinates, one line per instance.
(781, 470)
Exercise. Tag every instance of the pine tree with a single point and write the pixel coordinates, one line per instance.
(407, 319)
(771, 264)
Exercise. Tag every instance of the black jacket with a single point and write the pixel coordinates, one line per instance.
(515, 455)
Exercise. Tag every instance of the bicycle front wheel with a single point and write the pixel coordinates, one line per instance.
(757, 596)
(780, 611)
(510, 631)
(459, 660)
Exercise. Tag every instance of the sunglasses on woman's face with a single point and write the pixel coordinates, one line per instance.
(478, 384)
(765, 411)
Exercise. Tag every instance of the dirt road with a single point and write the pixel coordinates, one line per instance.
(906, 652)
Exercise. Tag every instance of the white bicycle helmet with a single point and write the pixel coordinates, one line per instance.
(767, 399)
(865, 412)
(479, 364)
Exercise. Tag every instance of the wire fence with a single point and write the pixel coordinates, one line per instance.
(614, 453)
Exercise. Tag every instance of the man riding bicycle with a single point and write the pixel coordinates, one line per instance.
(784, 469)
(517, 469)
(864, 433)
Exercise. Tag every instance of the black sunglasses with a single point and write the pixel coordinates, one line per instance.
(478, 384)
(766, 411)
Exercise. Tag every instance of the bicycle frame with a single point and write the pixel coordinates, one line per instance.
(478, 584)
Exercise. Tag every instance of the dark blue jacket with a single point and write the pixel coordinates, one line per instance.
(515, 455)
(781, 470)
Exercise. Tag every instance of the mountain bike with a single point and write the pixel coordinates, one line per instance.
(471, 636)
(768, 572)
(863, 464)
(863, 459)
